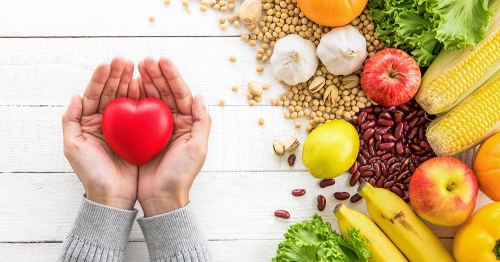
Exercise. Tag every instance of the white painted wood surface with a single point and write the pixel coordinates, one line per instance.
(48, 50)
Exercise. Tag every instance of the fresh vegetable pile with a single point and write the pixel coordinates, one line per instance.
(423, 28)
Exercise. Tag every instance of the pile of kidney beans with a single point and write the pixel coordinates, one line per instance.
(392, 146)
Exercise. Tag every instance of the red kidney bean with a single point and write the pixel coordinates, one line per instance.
(400, 147)
(389, 184)
(368, 109)
(321, 203)
(361, 142)
(378, 137)
(407, 180)
(355, 198)
(401, 186)
(377, 144)
(421, 153)
(362, 117)
(367, 173)
(380, 182)
(411, 134)
(368, 124)
(412, 167)
(365, 153)
(421, 112)
(410, 115)
(386, 115)
(406, 198)
(394, 166)
(361, 180)
(383, 168)
(362, 160)
(381, 130)
(371, 141)
(377, 109)
(370, 117)
(404, 107)
(380, 152)
(341, 195)
(406, 127)
(425, 144)
(371, 150)
(397, 191)
(421, 120)
(413, 122)
(398, 132)
(390, 177)
(326, 182)
(376, 169)
(385, 156)
(407, 149)
(404, 166)
(364, 168)
(416, 148)
(353, 168)
(389, 137)
(282, 213)
(385, 122)
(425, 158)
(391, 160)
(291, 159)
(401, 176)
(298, 192)
(354, 178)
(368, 133)
(386, 145)
(421, 133)
(373, 160)
(398, 117)
(372, 181)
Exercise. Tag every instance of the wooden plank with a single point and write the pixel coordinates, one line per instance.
(109, 18)
(47, 71)
(229, 205)
(222, 251)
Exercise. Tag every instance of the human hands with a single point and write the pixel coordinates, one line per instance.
(107, 178)
(165, 181)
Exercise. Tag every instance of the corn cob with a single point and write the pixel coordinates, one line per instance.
(469, 123)
(455, 74)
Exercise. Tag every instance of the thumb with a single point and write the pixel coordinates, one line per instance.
(202, 120)
(71, 120)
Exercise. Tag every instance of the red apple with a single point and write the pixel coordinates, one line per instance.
(443, 191)
(391, 77)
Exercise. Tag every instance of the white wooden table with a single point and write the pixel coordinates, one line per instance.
(48, 51)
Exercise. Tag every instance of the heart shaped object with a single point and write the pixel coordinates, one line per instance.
(137, 130)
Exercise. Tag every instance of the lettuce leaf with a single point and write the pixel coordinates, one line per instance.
(315, 241)
(425, 27)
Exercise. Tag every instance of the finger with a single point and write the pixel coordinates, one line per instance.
(160, 81)
(147, 81)
(93, 92)
(125, 79)
(133, 90)
(72, 130)
(182, 94)
(202, 121)
(110, 88)
(142, 91)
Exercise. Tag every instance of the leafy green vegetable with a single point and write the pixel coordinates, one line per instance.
(425, 27)
(315, 241)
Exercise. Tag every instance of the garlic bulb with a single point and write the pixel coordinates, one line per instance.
(342, 50)
(294, 59)
(250, 11)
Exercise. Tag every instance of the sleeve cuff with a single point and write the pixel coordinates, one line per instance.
(103, 225)
(174, 234)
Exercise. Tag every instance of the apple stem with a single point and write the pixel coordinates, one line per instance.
(451, 186)
(496, 249)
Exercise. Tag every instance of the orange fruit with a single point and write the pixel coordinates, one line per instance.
(487, 167)
(332, 12)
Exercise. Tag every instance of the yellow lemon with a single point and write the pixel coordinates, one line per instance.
(330, 149)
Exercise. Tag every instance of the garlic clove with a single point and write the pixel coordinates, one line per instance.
(255, 88)
(278, 148)
(317, 84)
(250, 11)
(291, 144)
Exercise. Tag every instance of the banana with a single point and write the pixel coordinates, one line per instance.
(381, 247)
(405, 228)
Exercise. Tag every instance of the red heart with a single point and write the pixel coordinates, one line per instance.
(137, 130)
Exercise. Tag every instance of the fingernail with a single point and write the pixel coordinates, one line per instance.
(202, 100)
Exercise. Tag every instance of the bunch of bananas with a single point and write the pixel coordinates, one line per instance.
(396, 233)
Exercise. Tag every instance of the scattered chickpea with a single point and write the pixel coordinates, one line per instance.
(223, 27)
(234, 88)
(203, 8)
(188, 10)
(151, 18)
(185, 3)
(252, 102)
(261, 121)
(298, 124)
(233, 58)
(167, 2)
(222, 20)
(222, 102)
(237, 24)
(259, 69)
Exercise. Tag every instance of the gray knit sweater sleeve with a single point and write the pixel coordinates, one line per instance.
(100, 233)
(174, 237)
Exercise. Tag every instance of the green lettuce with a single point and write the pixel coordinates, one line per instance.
(425, 27)
(315, 241)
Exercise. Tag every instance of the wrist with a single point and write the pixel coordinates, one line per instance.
(161, 205)
(116, 202)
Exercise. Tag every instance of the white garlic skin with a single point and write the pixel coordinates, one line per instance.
(294, 59)
(342, 50)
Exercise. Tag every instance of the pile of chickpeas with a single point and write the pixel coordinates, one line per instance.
(283, 17)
